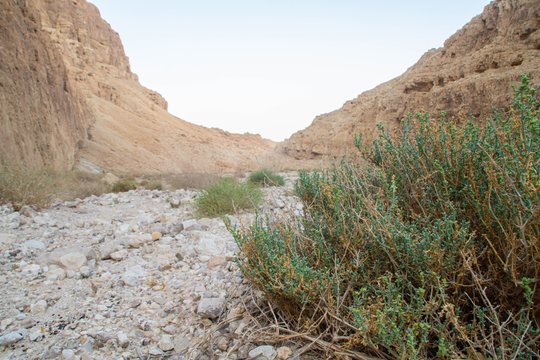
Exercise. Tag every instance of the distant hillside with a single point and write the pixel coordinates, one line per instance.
(471, 74)
(68, 96)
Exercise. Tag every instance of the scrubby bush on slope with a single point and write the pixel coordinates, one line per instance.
(431, 251)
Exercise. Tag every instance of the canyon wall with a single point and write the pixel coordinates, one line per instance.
(472, 74)
(69, 98)
(43, 117)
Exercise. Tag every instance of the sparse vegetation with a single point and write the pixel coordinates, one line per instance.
(124, 185)
(154, 186)
(430, 251)
(79, 184)
(188, 180)
(227, 196)
(20, 185)
(266, 177)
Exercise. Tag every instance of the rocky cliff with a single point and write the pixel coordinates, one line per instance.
(68, 97)
(43, 117)
(471, 74)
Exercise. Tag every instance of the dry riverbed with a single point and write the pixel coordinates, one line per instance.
(131, 275)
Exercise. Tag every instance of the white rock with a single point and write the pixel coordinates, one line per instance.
(211, 307)
(72, 261)
(135, 242)
(10, 338)
(119, 255)
(155, 351)
(6, 239)
(68, 354)
(34, 244)
(56, 273)
(33, 269)
(165, 343)
(85, 271)
(123, 340)
(5, 323)
(265, 352)
(208, 244)
(38, 307)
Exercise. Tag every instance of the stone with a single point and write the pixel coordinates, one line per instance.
(217, 261)
(211, 308)
(181, 344)
(101, 338)
(135, 242)
(85, 271)
(265, 352)
(222, 344)
(175, 203)
(119, 255)
(284, 352)
(5, 323)
(10, 338)
(72, 261)
(123, 340)
(169, 329)
(156, 235)
(28, 323)
(6, 239)
(27, 211)
(68, 354)
(34, 244)
(38, 307)
(108, 248)
(166, 343)
(32, 269)
(56, 273)
(209, 244)
(154, 351)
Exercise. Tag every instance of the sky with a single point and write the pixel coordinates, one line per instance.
(269, 67)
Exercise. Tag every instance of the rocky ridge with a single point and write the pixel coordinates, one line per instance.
(125, 276)
(471, 74)
(68, 97)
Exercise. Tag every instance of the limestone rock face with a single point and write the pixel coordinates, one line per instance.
(68, 97)
(43, 117)
(471, 74)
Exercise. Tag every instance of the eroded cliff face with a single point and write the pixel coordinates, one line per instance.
(471, 74)
(43, 117)
(82, 103)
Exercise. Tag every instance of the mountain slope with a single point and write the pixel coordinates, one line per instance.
(110, 120)
(471, 74)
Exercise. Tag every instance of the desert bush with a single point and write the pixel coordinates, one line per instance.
(21, 185)
(227, 196)
(266, 177)
(124, 185)
(154, 186)
(78, 184)
(430, 251)
(189, 180)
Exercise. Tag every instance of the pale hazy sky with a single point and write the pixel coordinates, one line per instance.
(269, 67)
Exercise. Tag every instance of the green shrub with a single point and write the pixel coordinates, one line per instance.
(124, 185)
(266, 177)
(430, 251)
(227, 196)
